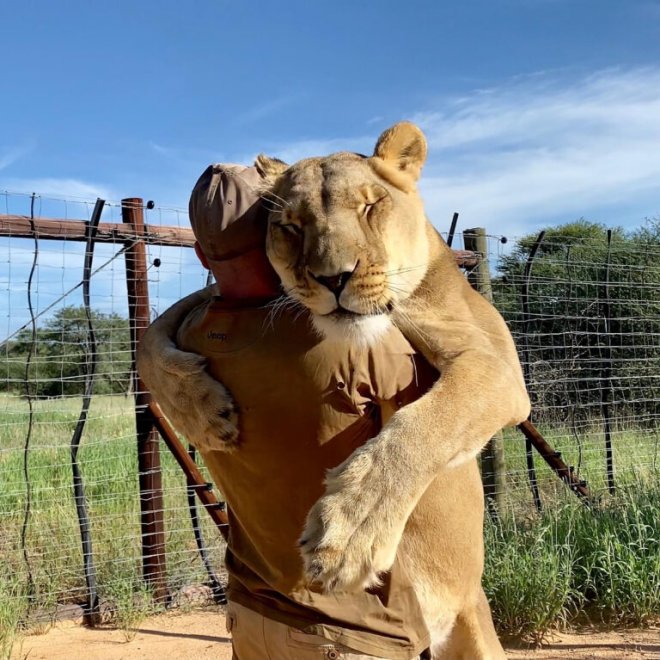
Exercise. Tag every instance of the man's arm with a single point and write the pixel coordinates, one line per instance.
(198, 406)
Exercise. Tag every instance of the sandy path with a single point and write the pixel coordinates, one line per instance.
(192, 636)
(201, 635)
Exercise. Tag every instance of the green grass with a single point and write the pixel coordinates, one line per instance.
(570, 562)
(542, 571)
(573, 562)
(108, 461)
(636, 457)
(12, 604)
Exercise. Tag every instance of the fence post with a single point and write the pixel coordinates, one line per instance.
(606, 369)
(150, 478)
(492, 457)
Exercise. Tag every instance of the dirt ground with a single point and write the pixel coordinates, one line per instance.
(201, 635)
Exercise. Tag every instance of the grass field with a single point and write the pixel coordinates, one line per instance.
(542, 570)
(109, 465)
(573, 563)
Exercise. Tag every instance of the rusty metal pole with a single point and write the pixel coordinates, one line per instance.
(203, 489)
(150, 477)
(492, 457)
(554, 460)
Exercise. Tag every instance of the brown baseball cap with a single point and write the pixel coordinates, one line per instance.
(226, 212)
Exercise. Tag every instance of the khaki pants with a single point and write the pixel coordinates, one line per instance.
(254, 637)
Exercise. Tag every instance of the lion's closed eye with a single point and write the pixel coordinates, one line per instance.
(287, 224)
(372, 196)
(364, 210)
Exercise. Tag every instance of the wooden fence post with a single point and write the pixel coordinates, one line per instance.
(150, 477)
(606, 382)
(492, 457)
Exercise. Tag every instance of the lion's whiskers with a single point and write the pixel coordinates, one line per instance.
(301, 310)
(295, 303)
(275, 308)
(271, 207)
(274, 199)
(398, 289)
(400, 311)
(279, 306)
(402, 270)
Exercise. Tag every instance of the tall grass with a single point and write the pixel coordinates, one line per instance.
(572, 562)
(636, 456)
(12, 604)
(108, 459)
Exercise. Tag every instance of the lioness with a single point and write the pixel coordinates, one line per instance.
(349, 240)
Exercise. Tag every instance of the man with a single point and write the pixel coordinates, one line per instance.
(305, 404)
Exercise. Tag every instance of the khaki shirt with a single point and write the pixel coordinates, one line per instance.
(305, 404)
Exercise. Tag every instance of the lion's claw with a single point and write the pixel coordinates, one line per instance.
(201, 409)
(352, 532)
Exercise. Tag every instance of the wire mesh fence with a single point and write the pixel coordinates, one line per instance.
(46, 358)
(583, 306)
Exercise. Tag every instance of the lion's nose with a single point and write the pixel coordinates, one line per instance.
(334, 283)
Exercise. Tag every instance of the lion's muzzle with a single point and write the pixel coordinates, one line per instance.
(334, 283)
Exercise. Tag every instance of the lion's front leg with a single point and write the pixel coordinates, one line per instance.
(199, 407)
(353, 530)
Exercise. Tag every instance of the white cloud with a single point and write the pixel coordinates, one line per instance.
(514, 157)
(8, 156)
(539, 149)
(534, 151)
(58, 188)
(265, 109)
(168, 152)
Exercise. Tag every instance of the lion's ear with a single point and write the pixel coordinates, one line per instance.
(403, 146)
(270, 169)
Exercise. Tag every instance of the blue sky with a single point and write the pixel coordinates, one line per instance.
(536, 111)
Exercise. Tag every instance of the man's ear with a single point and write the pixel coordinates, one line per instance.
(403, 146)
(201, 256)
(270, 169)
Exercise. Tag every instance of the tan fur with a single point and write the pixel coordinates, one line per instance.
(415, 487)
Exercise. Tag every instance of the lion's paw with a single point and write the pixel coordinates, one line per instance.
(201, 409)
(352, 532)
(215, 419)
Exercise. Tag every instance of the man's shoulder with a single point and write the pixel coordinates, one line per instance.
(224, 326)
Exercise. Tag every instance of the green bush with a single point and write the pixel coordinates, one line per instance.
(573, 562)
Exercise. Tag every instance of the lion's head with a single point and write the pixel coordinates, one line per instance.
(347, 233)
